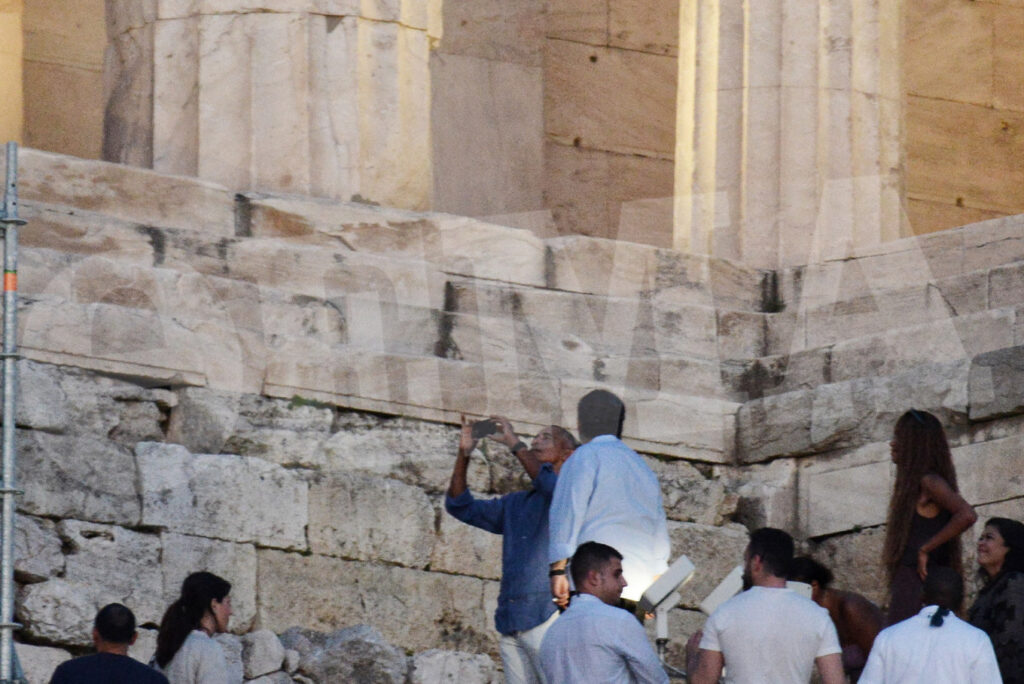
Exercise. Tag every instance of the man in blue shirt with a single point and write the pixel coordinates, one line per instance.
(525, 609)
(113, 632)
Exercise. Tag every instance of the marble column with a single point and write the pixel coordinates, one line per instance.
(11, 48)
(788, 145)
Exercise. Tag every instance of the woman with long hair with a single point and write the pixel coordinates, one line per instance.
(999, 608)
(185, 650)
(926, 512)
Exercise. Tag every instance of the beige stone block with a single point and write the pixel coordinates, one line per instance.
(927, 216)
(126, 193)
(948, 50)
(714, 551)
(487, 128)
(856, 561)
(689, 495)
(182, 555)
(466, 550)
(62, 32)
(773, 426)
(175, 90)
(704, 425)
(964, 154)
(1008, 60)
(413, 609)
(39, 662)
(177, 9)
(63, 108)
(740, 334)
(990, 471)
(578, 21)
(1007, 285)
(848, 493)
(766, 493)
(595, 94)
(193, 494)
(647, 27)
(509, 33)
(362, 517)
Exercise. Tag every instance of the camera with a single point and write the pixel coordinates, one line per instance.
(482, 428)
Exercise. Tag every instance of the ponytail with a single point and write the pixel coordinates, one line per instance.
(184, 615)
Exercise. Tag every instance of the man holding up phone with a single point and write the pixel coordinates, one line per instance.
(525, 610)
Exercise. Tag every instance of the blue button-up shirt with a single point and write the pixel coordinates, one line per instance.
(522, 519)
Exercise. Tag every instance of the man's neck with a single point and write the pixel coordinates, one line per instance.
(113, 649)
(770, 582)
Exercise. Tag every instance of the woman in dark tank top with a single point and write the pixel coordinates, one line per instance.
(926, 512)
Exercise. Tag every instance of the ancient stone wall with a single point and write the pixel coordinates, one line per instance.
(267, 386)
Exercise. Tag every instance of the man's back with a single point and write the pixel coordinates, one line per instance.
(770, 635)
(606, 493)
(915, 652)
(594, 643)
(105, 668)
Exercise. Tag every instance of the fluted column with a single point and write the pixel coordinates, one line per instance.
(788, 128)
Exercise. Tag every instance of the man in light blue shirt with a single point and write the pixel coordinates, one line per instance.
(607, 494)
(595, 642)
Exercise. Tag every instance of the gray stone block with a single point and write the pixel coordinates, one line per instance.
(996, 383)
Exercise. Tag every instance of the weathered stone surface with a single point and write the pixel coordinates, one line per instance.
(774, 425)
(262, 653)
(203, 420)
(77, 477)
(199, 494)
(413, 609)
(183, 554)
(436, 666)
(357, 653)
(845, 493)
(41, 402)
(765, 492)
(466, 550)
(291, 660)
(37, 550)
(991, 470)
(39, 662)
(690, 496)
(714, 551)
(856, 561)
(369, 518)
(995, 382)
(61, 612)
(117, 562)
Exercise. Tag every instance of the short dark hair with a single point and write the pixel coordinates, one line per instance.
(775, 549)
(600, 413)
(564, 437)
(590, 556)
(943, 587)
(115, 623)
(805, 569)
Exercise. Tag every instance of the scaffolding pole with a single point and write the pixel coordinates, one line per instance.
(10, 670)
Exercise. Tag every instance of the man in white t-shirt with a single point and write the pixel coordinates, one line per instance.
(934, 646)
(768, 633)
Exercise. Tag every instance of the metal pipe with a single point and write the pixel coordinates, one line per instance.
(8, 659)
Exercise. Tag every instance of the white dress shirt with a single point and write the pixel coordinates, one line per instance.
(594, 643)
(606, 493)
(914, 652)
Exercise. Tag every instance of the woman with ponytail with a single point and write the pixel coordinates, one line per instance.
(185, 650)
(926, 512)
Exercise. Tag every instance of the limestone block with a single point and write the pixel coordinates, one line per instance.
(61, 612)
(1007, 285)
(203, 420)
(740, 335)
(1008, 64)
(495, 31)
(232, 647)
(42, 404)
(124, 411)
(994, 383)
(689, 496)
(466, 550)
(774, 425)
(990, 471)
(359, 652)
(126, 192)
(175, 84)
(992, 243)
(593, 94)
(118, 562)
(262, 653)
(706, 426)
(182, 555)
(436, 666)
(37, 550)
(77, 477)
(413, 609)
(291, 660)
(488, 133)
(640, 26)
(590, 265)
(949, 51)
(197, 494)
(855, 560)
(370, 518)
(714, 551)
(39, 662)
(144, 647)
(847, 493)
(766, 493)
(578, 21)
(943, 215)
(697, 377)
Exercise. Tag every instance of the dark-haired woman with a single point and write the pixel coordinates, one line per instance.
(927, 515)
(185, 649)
(999, 608)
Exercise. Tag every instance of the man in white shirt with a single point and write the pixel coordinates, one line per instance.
(768, 633)
(595, 642)
(606, 493)
(934, 646)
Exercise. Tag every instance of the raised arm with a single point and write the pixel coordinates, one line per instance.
(939, 491)
(508, 437)
(457, 485)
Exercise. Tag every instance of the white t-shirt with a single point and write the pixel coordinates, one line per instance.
(770, 636)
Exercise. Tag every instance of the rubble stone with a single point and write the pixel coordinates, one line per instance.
(262, 653)
(37, 550)
(357, 653)
(437, 666)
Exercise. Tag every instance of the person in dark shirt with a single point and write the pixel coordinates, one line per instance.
(112, 633)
